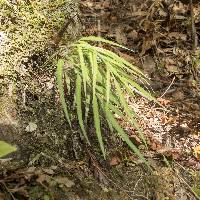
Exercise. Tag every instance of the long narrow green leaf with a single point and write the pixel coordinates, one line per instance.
(136, 87)
(6, 148)
(97, 124)
(79, 107)
(95, 70)
(67, 82)
(112, 97)
(99, 39)
(125, 138)
(95, 104)
(83, 68)
(112, 107)
(106, 78)
(129, 112)
(121, 67)
(59, 75)
(111, 55)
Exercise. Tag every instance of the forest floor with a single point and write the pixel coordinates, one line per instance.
(52, 162)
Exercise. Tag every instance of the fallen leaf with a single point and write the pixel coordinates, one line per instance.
(162, 101)
(170, 152)
(120, 36)
(2, 196)
(148, 43)
(21, 191)
(171, 66)
(178, 36)
(178, 96)
(149, 65)
(64, 181)
(133, 35)
(196, 151)
(115, 160)
(48, 171)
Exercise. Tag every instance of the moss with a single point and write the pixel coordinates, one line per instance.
(28, 27)
(196, 183)
(165, 182)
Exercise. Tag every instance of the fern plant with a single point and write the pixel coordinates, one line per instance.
(102, 79)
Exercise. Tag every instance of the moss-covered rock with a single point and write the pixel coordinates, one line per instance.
(28, 28)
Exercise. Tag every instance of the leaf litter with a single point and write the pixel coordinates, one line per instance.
(158, 33)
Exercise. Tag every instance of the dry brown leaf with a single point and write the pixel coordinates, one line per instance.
(133, 35)
(148, 25)
(149, 65)
(48, 171)
(139, 13)
(177, 36)
(21, 191)
(148, 43)
(120, 36)
(170, 152)
(113, 19)
(162, 13)
(41, 178)
(162, 101)
(115, 160)
(64, 181)
(106, 4)
(135, 139)
(171, 66)
(179, 8)
(2, 196)
(178, 96)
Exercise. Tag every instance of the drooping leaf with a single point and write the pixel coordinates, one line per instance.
(6, 148)
(97, 124)
(125, 138)
(83, 68)
(99, 39)
(130, 113)
(59, 76)
(79, 107)
(106, 79)
(114, 57)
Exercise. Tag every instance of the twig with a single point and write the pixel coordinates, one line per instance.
(59, 35)
(7, 189)
(168, 87)
(193, 29)
(189, 187)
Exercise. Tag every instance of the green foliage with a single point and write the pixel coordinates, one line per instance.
(6, 148)
(196, 190)
(106, 79)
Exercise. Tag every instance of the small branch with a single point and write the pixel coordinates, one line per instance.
(59, 35)
(168, 87)
(193, 29)
(188, 186)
